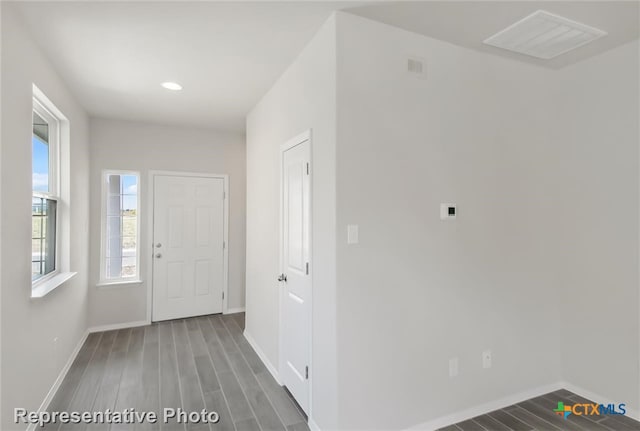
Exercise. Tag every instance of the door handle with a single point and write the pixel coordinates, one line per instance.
(158, 255)
(158, 245)
(282, 277)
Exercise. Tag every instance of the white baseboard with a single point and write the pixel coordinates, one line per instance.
(63, 373)
(273, 370)
(115, 326)
(584, 393)
(235, 310)
(313, 426)
(486, 407)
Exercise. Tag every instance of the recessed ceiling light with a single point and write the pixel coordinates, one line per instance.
(174, 86)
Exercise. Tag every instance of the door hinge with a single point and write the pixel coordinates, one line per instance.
(222, 295)
(224, 245)
(306, 372)
(307, 168)
(224, 195)
(307, 268)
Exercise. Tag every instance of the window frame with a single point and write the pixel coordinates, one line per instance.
(103, 280)
(53, 182)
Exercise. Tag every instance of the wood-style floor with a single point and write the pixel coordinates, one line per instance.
(193, 364)
(206, 363)
(538, 414)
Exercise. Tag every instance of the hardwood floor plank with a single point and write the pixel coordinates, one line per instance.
(616, 418)
(511, 422)
(530, 419)
(206, 374)
(224, 336)
(190, 390)
(196, 338)
(133, 370)
(244, 374)
(247, 425)
(204, 366)
(265, 414)
(562, 392)
(586, 421)
(87, 390)
(283, 404)
(108, 388)
(150, 390)
(491, 424)
(130, 390)
(614, 423)
(236, 400)
(220, 362)
(215, 402)
(169, 379)
(186, 366)
(250, 355)
(470, 425)
(252, 358)
(549, 416)
(300, 426)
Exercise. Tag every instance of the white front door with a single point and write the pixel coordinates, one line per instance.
(188, 246)
(296, 278)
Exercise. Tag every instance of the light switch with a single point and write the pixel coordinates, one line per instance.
(448, 211)
(352, 234)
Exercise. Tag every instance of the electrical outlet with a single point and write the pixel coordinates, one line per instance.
(453, 367)
(486, 359)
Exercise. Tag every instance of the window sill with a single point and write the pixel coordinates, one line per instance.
(118, 283)
(42, 289)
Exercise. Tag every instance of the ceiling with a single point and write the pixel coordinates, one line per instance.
(469, 23)
(114, 55)
(226, 55)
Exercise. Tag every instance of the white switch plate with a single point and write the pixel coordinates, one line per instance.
(453, 367)
(486, 359)
(352, 234)
(444, 211)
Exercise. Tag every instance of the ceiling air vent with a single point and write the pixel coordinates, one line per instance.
(544, 35)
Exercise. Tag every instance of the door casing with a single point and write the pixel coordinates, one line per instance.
(299, 139)
(148, 249)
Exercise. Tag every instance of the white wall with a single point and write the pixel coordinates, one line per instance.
(144, 147)
(30, 361)
(417, 291)
(598, 143)
(303, 98)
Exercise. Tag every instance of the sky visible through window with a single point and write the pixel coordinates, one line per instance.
(129, 192)
(40, 165)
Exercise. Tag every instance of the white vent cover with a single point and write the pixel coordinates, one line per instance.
(544, 35)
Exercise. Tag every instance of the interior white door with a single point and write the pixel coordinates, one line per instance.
(296, 278)
(188, 246)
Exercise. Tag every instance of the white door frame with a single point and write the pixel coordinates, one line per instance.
(299, 139)
(150, 220)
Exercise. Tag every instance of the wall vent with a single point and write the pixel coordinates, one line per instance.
(544, 35)
(416, 66)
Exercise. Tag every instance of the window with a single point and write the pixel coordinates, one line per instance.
(45, 193)
(120, 227)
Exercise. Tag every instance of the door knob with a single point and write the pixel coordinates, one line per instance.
(158, 245)
(282, 277)
(158, 255)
